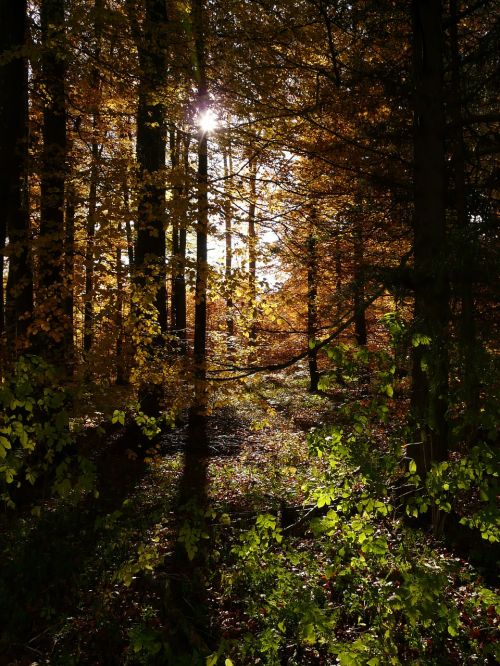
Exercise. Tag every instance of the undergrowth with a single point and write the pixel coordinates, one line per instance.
(311, 546)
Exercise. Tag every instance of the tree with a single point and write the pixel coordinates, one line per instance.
(200, 317)
(179, 151)
(430, 383)
(50, 315)
(312, 295)
(14, 190)
(95, 101)
(150, 301)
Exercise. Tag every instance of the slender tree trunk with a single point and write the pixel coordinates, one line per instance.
(228, 236)
(338, 271)
(121, 378)
(467, 329)
(359, 285)
(14, 194)
(252, 253)
(69, 274)
(128, 228)
(338, 290)
(180, 162)
(95, 155)
(174, 161)
(200, 318)
(312, 310)
(430, 363)
(50, 298)
(150, 247)
(88, 317)
(3, 237)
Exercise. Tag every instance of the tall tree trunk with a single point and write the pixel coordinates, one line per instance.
(14, 194)
(95, 155)
(179, 148)
(228, 237)
(88, 315)
(69, 273)
(50, 297)
(467, 329)
(430, 363)
(338, 271)
(150, 247)
(359, 284)
(200, 317)
(128, 228)
(121, 378)
(252, 253)
(312, 293)
(3, 237)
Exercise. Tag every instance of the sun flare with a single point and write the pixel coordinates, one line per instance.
(207, 121)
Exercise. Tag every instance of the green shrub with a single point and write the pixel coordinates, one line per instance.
(36, 442)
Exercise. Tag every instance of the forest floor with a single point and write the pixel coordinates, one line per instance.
(174, 561)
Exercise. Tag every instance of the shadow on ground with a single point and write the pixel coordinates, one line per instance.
(58, 604)
(42, 561)
(191, 632)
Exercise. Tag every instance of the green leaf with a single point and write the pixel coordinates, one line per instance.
(118, 417)
(412, 467)
(420, 339)
(348, 659)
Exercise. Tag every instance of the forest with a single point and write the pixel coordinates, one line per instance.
(249, 332)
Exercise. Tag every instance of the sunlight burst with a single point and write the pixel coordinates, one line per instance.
(207, 121)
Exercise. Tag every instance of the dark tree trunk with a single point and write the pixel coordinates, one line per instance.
(359, 284)
(50, 298)
(128, 228)
(312, 310)
(150, 247)
(14, 194)
(338, 271)
(200, 316)
(228, 237)
(150, 240)
(95, 158)
(69, 273)
(88, 316)
(179, 148)
(252, 254)
(467, 329)
(430, 363)
(121, 377)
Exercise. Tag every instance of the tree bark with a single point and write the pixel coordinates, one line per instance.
(150, 248)
(252, 254)
(69, 274)
(430, 362)
(50, 298)
(128, 227)
(88, 316)
(359, 283)
(179, 148)
(200, 317)
(121, 378)
(228, 237)
(14, 193)
(467, 328)
(312, 294)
